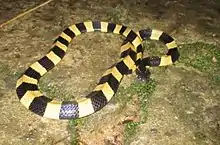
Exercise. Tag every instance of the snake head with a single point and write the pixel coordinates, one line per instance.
(143, 75)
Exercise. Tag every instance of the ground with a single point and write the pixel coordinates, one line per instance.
(179, 105)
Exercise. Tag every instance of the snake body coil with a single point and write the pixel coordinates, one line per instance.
(131, 60)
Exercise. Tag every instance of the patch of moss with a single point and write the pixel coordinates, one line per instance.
(144, 91)
(131, 128)
(74, 131)
(204, 57)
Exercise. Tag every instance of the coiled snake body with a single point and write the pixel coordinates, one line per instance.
(130, 60)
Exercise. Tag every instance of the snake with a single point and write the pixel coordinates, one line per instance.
(131, 60)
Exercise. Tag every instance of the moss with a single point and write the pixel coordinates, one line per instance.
(131, 128)
(74, 131)
(204, 57)
(144, 91)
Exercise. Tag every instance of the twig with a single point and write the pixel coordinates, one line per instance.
(24, 13)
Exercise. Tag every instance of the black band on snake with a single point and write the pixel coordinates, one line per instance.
(131, 60)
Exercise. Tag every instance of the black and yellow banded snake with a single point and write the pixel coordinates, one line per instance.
(130, 60)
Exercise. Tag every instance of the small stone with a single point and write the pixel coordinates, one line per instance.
(214, 59)
(170, 133)
(154, 131)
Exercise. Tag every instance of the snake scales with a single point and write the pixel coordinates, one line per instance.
(130, 60)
